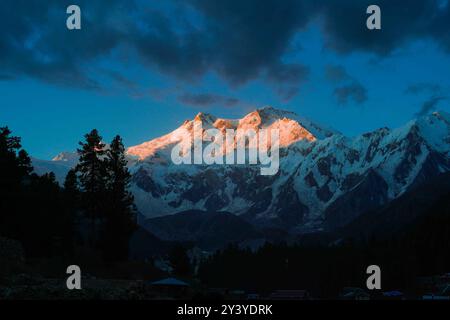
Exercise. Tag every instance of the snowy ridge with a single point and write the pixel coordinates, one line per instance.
(325, 178)
(315, 170)
(291, 130)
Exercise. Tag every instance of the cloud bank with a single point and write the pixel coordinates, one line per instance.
(240, 41)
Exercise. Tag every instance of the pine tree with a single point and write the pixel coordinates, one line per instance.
(28, 200)
(120, 221)
(14, 161)
(15, 166)
(72, 195)
(118, 176)
(72, 203)
(8, 143)
(92, 173)
(24, 162)
(71, 183)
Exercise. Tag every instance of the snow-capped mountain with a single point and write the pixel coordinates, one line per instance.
(292, 128)
(325, 179)
(59, 165)
(70, 158)
(59, 168)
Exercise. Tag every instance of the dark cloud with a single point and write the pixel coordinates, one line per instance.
(121, 80)
(436, 94)
(344, 25)
(349, 88)
(354, 91)
(286, 79)
(268, 25)
(239, 40)
(35, 42)
(288, 73)
(424, 87)
(430, 105)
(207, 100)
(336, 74)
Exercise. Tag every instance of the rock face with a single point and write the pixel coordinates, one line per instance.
(401, 213)
(325, 180)
(370, 192)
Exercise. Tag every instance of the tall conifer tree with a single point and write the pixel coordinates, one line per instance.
(120, 219)
(93, 176)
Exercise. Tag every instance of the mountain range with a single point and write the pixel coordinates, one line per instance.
(326, 180)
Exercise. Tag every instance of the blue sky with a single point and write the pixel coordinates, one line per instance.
(140, 69)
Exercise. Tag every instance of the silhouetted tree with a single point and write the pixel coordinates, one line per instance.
(15, 168)
(119, 177)
(24, 162)
(32, 207)
(72, 201)
(71, 183)
(119, 222)
(92, 174)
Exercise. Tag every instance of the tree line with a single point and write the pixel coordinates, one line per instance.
(419, 250)
(94, 207)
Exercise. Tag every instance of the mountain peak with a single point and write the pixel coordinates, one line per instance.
(205, 117)
(318, 130)
(66, 156)
(291, 127)
(270, 111)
